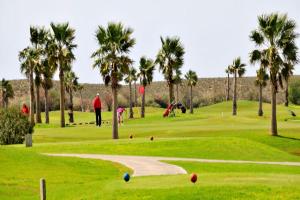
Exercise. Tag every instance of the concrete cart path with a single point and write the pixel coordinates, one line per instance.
(150, 165)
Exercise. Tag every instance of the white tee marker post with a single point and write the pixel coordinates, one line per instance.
(42, 189)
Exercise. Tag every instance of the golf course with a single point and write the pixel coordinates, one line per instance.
(148, 100)
(210, 133)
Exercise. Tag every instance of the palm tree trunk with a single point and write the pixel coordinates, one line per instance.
(62, 98)
(38, 105)
(130, 101)
(260, 110)
(171, 93)
(115, 105)
(228, 88)
(234, 105)
(46, 106)
(143, 103)
(81, 102)
(71, 114)
(31, 91)
(191, 100)
(177, 93)
(286, 103)
(135, 94)
(273, 117)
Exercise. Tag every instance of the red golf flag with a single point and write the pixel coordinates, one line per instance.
(141, 90)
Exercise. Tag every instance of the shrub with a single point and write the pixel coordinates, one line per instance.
(161, 101)
(294, 92)
(13, 126)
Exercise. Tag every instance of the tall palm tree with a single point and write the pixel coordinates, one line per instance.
(29, 57)
(63, 56)
(7, 92)
(261, 81)
(38, 38)
(135, 78)
(238, 69)
(47, 73)
(115, 42)
(71, 83)
(286, 73)
(228, 71)
(192, 80)
(170, 59)
(146, 67)
(275, 41)
(177, 82)
(129, 79)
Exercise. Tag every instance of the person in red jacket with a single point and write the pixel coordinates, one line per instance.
(97, 109)
(25, 110)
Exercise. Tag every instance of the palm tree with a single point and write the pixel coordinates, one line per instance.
(177, 82)
(146, 76)
(63, 56)
(115, 42)
(71, 83)
(275, 39)
(29, 57)
(261, 82)
(170, 59)
(47, 73)
(7, 92)
(38, 38)
(192, 80)
(131, 76)
(286, 73)
(228, 72)
(237, 68)
(135, 91)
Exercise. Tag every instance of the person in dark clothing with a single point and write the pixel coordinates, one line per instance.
(97, 109)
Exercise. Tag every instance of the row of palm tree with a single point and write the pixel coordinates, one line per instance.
(50, 50)
(111, 58)
(7, 92)
(276, 53)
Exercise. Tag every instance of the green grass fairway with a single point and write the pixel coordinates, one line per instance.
(210, 133)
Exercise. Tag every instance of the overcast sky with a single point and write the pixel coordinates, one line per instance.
(212, 32)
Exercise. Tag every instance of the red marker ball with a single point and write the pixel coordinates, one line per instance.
(193, 178)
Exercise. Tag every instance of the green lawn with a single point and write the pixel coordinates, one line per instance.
(209, 133)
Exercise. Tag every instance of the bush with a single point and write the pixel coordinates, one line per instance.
(294, 92)
(13, 126)
(161, 101)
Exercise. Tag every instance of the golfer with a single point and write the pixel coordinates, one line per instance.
(120, 111)
(97, 109)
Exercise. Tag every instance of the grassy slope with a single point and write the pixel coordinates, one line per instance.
(207, 134)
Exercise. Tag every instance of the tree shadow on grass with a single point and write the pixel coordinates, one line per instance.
(285, 137)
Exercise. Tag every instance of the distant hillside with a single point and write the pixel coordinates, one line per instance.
(207, 91)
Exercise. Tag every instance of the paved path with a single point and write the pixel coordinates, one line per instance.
(150, 165)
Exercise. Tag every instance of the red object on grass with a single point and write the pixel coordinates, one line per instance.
(193, 178)
(166, 113)
(141, 90)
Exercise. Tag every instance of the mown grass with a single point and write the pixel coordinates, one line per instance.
(210, 133)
